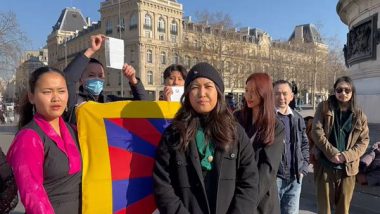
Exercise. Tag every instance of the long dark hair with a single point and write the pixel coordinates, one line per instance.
(175, 67)
(352, 103)
(264, 124)
(218, 125)
(26, 108)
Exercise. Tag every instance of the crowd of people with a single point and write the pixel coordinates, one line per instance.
(211, 159)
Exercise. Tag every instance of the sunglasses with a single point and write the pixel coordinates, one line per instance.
(346, 90)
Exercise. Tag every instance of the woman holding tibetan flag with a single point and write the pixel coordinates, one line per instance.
(205, 163)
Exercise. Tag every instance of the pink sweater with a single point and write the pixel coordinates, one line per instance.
(26, 157)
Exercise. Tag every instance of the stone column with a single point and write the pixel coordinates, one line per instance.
(362, 52)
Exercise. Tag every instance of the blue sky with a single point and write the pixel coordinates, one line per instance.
(277, 17)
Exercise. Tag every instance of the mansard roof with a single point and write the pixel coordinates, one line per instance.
(71, 19)
(309, 32)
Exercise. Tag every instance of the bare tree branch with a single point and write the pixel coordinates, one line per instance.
(216, 19)
(12, 41)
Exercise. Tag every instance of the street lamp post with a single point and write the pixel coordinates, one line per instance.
(121, 75)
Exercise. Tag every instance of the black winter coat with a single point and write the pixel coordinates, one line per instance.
(179, 183)
(300, 144)
(268, 160)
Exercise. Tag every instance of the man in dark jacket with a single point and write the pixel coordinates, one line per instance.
(90, 74)
(295, 159)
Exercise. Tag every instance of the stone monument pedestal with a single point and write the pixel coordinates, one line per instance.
(362, 52)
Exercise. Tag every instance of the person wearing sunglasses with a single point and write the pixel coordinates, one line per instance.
(340, 133)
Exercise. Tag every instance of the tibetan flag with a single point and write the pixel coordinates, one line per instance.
(118, 141)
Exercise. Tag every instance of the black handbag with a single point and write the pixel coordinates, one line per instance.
(8, 188)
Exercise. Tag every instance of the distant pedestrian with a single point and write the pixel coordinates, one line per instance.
(231, 102)
(2, 118)
(293, 103)
(340, 134)
(45, 155)
(295, 162)
(205, 163)
(266, 133)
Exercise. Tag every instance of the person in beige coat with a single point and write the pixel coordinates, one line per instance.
(340, 133)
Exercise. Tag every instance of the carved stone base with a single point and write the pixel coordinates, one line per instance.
(370, 105)
(362, 18)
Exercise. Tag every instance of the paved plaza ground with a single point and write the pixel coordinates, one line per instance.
(365, 201)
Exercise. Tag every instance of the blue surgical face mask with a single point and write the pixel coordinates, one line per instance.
(94, 86)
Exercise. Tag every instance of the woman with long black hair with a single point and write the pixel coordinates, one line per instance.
(340, 133)
(204, 162)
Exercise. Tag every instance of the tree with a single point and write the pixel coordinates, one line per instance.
(216, 19)
(12, 39)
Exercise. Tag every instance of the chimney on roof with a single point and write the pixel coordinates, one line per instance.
(298, 34)
(88, 20)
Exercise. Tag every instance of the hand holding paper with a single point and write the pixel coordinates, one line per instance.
(177, 93)
(130, 73)
(114, 51)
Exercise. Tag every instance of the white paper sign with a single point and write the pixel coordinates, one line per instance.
(114, 52)
(177, 93)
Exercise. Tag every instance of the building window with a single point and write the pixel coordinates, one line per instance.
(161, 25)
(161, 37)
(133, 22)
(241, 83)
(108, 79)
(187, 61)
(162, 78)
(173, 38)
(121, 25)
(163, 58)
(149, 56)
(148, 22)
(196, 60)
(148, 34)
(176, 58)
(174, 28)
(132, 56)
(150, 77)
(108, 27)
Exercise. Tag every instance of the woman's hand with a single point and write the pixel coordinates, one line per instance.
(96, 44)
(130, 73)
(168, 91)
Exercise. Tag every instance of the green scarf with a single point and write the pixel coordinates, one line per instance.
(206, 150)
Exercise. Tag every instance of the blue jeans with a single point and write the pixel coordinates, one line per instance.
(289, 192)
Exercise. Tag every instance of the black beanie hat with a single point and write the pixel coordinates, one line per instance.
(203, 69)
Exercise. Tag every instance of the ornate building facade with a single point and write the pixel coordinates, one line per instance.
(156, 35)
(30, 61)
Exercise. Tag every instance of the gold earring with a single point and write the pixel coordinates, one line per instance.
(66, 109)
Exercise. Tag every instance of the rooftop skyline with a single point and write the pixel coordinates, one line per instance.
(277, 18)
